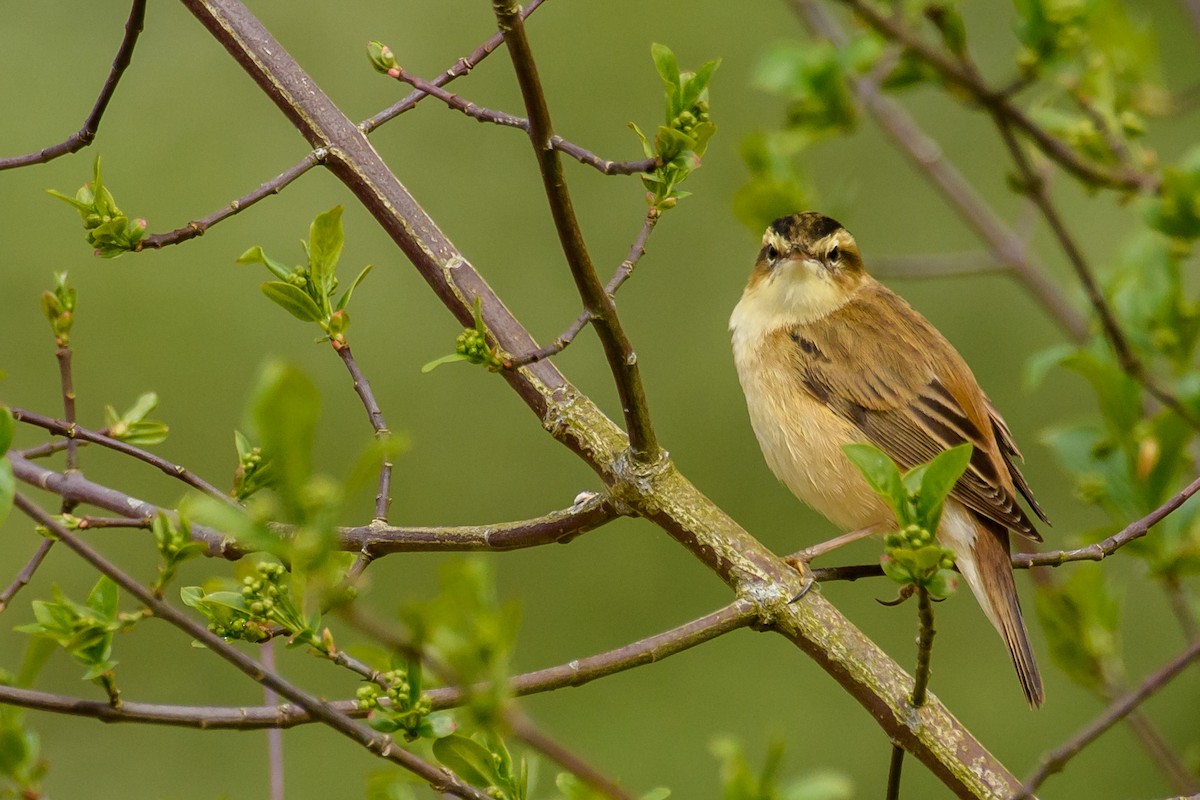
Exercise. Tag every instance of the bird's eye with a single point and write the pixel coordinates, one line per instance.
(772, 253)
(834, 253)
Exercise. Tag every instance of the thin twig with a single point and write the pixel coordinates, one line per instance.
(362, 387)
(622, 359)
(481, 114)
(1000, 104)
(1168, 761)
(556, 527)
(157, 241)
(622, 274)
(87, 132)
(63, 356)
(1130, 363)
(72, 431)
(84, 523)
(1057, 759)
(1180, 599)
(26, 574)
(1097, 551)
(920, 682)
(379, 744)
(461, 67)
(895, 767)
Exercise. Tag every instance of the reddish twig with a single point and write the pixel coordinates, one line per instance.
(362, 387)
(1118, 710)
(506, 120)
(72, 431)
(87, 132)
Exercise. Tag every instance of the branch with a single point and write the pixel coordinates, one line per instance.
(157, 241)
(937, 265)
(622, 360)
(1118, 710)
(556, 527)
(383, 498)
(26, 574)
(461, 67)
(379, 744)
(73, 431)
(87, 132)
(481, 114)
(931, 163)
(999, 103)
(574, 673)
(197, 228)
(533, 736)
(1128, 360)
(624, 271)
(656, 490)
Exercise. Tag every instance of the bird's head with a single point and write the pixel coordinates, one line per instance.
(807, 267)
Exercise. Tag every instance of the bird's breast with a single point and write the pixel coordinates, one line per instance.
(801, 438)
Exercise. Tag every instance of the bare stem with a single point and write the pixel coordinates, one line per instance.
(1056, 760)
(87, 132)
(157, 241)
(622, 359)
(73, 431)
(481, 114)
(26, 574)
(379, 744)
(383, 498)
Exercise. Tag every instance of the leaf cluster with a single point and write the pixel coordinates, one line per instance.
(132, 427)
(84, 630)
(401, 706)
(109, 230)
(307, 291)
(912, 555)
(59, 308)
(680, 142)
(740, 781)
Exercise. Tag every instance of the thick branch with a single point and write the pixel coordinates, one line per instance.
(379, 744)
(87, 132)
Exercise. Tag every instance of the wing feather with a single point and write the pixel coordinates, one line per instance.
(913, 397)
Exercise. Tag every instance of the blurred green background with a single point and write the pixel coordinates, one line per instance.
(188, 132)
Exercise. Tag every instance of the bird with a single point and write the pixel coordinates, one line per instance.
(828, 356)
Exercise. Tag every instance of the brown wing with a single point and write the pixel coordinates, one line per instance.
(913, 396)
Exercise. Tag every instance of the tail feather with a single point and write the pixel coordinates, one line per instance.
(981, 548)
(997, 594)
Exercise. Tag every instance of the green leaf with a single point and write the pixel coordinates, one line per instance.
(256, 255)
(7, 426)
(346, 297)
(284, 408)
(666, 65)
(103, 598)
(293, 300)
(467, 758)
(937, 481)
(881, 473)
(325, 240)
(695, 85)
(450, 359)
